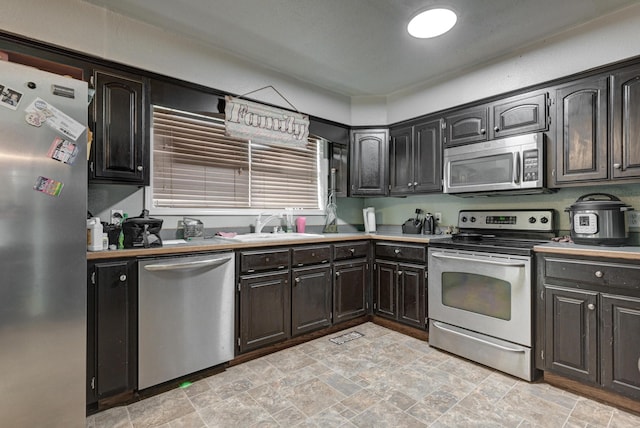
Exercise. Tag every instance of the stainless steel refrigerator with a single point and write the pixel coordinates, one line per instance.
(43, 197)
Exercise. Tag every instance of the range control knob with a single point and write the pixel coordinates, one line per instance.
(532, 220)
(473, 219)
(463, 219)
(544, 220)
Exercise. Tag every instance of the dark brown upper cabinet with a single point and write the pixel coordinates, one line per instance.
(581, 131)
(369, 150)
(519, 114)
(415, 158)
(120, 152)
(466, 126)
(626, 123)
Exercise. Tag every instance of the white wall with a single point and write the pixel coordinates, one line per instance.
(606, 40)
(84, 27)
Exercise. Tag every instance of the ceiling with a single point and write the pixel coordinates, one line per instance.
(361, 47)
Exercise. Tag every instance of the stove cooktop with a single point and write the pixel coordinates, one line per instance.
(500, 231)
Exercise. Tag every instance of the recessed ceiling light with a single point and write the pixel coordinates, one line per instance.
(432, 23)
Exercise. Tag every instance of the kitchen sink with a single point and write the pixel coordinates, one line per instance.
(261, 237)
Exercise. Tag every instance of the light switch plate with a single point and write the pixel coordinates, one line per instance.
(634, 219)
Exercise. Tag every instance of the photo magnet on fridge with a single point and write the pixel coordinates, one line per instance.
(10, 98)
(48, 185)
(63, 151)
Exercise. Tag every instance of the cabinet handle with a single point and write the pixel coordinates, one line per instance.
(496, 129)
(591, 306)
(599, 274)
(337, 274)
(617, 166)
(352, 251)
(483, 131)
(123, 278)
(297, 280)
(409, 184)
(139, 168)
(415, 183)
(397, 251)
(400, 273)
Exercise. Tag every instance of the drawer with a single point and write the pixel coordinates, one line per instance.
(351, 250)
(618, 275)
(409, 253)
(254, 261)
(310, 255)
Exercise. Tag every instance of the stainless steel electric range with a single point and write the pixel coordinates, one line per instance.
(480, 289)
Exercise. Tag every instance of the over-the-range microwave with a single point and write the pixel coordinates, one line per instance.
(504, 166)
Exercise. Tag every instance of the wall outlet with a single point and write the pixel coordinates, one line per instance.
(438, 217)
(634, 219)
(116, 216)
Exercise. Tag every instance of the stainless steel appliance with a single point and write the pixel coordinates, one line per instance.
(43, 244)
(599, 219)
(185, 316)
(481, 285)
(514, 164)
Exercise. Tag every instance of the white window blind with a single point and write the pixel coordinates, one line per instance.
(195, 165)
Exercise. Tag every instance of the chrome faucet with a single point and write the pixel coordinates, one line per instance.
(260, 224)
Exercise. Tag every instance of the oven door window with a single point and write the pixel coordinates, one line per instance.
(476, 293)
(493, 169)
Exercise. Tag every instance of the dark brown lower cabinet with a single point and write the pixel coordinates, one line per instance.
(620, 349)
(265, 307)
(400, 292)
(350, 289)
(310, 299)
(571, 340)
(111, 329)
(589, 321)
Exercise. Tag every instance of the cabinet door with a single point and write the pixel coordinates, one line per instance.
(265, 310)
(339, 161)
(121, 144)
(349, 290)
(385, 288)
(411, 289)
(466, 126)
(310, 299)
(626, 124)
(115, 321)
(518, 115)
(427, 157)
(581, 136)
(401, 161)
(620, 351)
(369, 162)
(571, 336)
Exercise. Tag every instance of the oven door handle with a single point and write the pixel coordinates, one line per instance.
(486, 342)
(466, 259)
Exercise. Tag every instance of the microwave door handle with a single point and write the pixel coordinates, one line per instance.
(516, 169)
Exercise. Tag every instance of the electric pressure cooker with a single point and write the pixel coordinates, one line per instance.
(599, 219)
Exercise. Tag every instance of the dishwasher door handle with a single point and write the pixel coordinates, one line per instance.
(212, 263)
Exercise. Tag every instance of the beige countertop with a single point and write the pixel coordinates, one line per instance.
(220, 244)
(627, 252)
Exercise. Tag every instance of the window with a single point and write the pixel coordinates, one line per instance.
(196, 166)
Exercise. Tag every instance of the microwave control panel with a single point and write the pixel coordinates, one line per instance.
(531, 166)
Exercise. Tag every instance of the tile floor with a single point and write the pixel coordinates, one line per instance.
(384, 379)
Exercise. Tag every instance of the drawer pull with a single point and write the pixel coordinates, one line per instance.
(297, 280)
(591, 306)
(352, 251)
(400, 273)
(599, 274)
(123, 278)
(397, 251)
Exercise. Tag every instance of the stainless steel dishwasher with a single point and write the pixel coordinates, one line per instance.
(185, 315)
